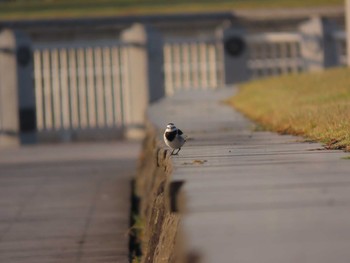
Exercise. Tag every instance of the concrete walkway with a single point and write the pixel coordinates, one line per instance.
(66, 203)
(255, 196)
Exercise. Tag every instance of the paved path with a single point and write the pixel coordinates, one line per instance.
(66, 203)
(256, 196)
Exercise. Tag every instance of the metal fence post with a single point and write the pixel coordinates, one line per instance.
(234, 54)
(318, 46)
(17, 98)
(146, 79)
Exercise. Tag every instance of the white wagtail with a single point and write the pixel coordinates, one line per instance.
(173, 137)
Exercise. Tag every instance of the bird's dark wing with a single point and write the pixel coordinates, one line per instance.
(179, 132)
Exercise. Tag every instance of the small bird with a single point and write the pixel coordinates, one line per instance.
(173, 137)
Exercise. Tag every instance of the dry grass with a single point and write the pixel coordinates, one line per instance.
(31, 9)
(314, 105)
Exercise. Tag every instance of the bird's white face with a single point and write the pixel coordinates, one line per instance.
(170, 127)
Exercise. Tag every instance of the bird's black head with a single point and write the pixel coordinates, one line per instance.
(170, 127)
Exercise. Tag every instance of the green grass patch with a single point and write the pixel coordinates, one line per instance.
(30, 9)
(136, 231)
(313, 105)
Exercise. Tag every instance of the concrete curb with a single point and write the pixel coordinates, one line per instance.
(155, 190)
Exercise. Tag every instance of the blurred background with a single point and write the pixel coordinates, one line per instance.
(80, 62)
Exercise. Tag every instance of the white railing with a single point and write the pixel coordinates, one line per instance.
(81, 85)
(191, 63)
(85, 85)
(194, 63)
(274, 54)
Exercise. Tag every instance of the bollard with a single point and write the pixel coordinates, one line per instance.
(17, 98)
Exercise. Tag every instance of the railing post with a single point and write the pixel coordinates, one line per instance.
(347, 25)
(146, 78)
(17, 96)
(234, 54)
(318, 46)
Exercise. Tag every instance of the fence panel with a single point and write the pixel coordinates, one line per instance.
(80, 85)
(191, 63)
(274, 54)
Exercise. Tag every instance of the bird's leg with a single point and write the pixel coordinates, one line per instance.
(177, 153)
(172, 153)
